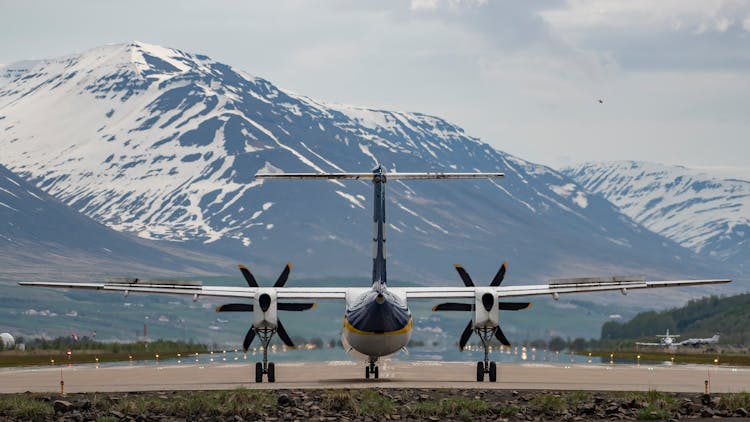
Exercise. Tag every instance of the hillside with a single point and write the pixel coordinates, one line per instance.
(42, 239)
(164, 144)
(702, 318)
(708, 215)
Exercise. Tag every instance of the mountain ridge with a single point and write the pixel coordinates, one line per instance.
(164, 144)
(706, 214)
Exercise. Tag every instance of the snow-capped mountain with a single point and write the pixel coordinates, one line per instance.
(705, 214)
(165, 144)
(42, 238)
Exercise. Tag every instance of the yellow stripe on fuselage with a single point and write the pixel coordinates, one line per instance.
(349, 327)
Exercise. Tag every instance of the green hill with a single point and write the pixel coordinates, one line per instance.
(703, 317)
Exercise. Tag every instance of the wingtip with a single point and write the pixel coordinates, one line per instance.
(457, 266)
(218, 308)
(434, 308)
(242, 267)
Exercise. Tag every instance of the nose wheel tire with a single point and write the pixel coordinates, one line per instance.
(372, 369)
(480, 371)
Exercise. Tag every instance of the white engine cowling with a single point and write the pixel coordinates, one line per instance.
(486, 311)
(264, 309)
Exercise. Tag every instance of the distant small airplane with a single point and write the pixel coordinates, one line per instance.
(668, 340)
(601, 101)
(377, 321)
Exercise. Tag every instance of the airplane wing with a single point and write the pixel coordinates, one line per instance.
(553, 288)
(196, 289)
(648, 344)
(699, 341)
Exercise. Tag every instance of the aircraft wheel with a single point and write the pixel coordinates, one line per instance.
(493, 372)
(367, 372)
(258, 372)
(375, 373)
(271, 372)
(480, 371)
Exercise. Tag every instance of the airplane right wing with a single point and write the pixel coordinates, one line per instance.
(554, 288)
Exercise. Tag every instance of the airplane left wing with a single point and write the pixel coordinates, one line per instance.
(553, 288)
(195, 289)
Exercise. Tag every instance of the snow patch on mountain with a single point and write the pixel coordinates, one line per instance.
(706, 214)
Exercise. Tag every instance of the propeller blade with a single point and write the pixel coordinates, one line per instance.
(452, 306)
(500, 275)
(248, 339)
(500, 336)
(464, 276)
(465, 336)
(513, 306)
(283, 334)
(235, 307)
(281, 281)
(248, 276)
(295, 306)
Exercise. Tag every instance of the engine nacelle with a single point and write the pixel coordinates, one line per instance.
(265, 308)
(486, 311)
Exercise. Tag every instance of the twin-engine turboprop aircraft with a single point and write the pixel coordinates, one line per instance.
(377, 319)
(668, 341)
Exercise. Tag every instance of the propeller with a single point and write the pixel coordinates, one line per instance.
(487, 302)
(265, 301)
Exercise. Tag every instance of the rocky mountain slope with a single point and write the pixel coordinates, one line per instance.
(708, 215)
(42, 238)
(165, 144)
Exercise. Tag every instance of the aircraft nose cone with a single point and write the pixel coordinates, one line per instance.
(264, 301)
(379, 299)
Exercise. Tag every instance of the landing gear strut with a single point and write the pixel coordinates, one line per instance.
(372, 368)
(485, 334)
(265, 367)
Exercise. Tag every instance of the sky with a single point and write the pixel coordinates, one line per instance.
(527, 77)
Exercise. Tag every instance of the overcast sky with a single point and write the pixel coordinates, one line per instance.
(524, 76)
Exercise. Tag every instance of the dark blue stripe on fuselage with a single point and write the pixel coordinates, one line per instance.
(378, 318)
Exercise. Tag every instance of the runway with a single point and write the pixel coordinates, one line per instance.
(299, 375)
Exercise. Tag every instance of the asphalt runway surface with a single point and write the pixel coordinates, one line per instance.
(395, 374)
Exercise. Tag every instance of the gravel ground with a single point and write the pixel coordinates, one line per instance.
(372, 404)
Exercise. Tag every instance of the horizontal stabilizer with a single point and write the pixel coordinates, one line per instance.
(369, 176)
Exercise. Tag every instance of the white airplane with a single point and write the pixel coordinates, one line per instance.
(668, 340)
(377, 320)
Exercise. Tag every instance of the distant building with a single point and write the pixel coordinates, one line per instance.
(7, 341)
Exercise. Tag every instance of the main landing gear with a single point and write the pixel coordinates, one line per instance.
(265, 367)
(486, 367)
(372, 368)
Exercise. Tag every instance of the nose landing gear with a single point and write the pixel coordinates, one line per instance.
(372, 368)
